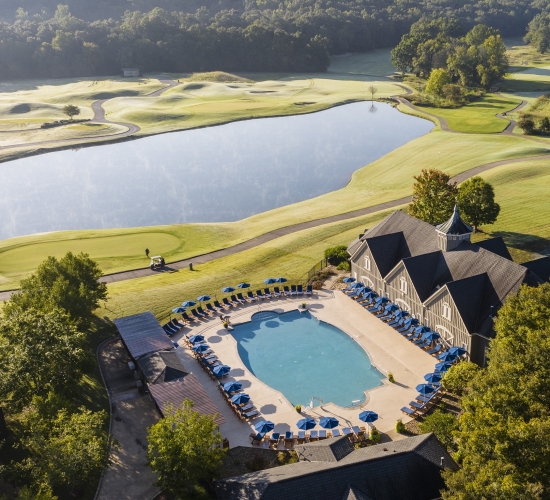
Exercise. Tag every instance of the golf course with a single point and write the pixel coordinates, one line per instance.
(161, 103)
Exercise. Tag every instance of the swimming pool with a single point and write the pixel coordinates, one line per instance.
(301, 357)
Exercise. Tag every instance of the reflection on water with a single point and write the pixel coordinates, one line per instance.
(222, 173)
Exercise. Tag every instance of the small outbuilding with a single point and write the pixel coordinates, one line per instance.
(162, 366)
(129, 72)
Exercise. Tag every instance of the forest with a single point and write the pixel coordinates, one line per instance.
(83, 38)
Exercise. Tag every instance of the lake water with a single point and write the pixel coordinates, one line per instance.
(222, 173)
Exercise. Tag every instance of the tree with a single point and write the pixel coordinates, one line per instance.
(452, 92)
(434, 197)
(459, 377)
(538, 33)
(42, 352)
(184, 449)
(70, 110)
(68, 451)
(70, 283)
(439, 78)
(372, 90)
(476, 199)
(504, 431)
(442, 425)
(527, 125)
(545, 125)
(337, 254)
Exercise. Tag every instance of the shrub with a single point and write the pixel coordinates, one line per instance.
(375, 435)
(527, 125)
(442, 425)
(399, 426)
(459, 376)
(390, 378)
(337, 254)
(344, 266)
(298, 408)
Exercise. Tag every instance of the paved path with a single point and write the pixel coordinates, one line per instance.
(509, 130)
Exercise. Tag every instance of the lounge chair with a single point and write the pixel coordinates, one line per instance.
(289, 439)
(200, 310)
(188, 318)
(260, 295)
(425, 344)
(218, 306)
(322, 434)
(359, 433)
(419, 341)
(267, 293)
(236, 300)
(227, 303)
(251, 297)
(256, 438)
(435, 350)
(274, 439)
(196, 314)
(251, 414)
(408, 411)
(313, 436)
(241, 298)
(418, 406)
(293, 290)
(346, 431)
(299, 290)
(301, 437)
(336, 433)
(246, 408)
(276, 292)
(309, 290)
(168, 329)
(210, 308)
(287, 291)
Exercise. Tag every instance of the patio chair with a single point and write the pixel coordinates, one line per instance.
(246, 408)
(251, 297)
(435, 350)
(405, 330)
(336, 433)
(299, 290)
(313, 436)
(196, 314)
(359, 433)
(276, 292)
(210, 308)
(274, 439)
(267, 293)
(418, 406)
(188, 318)
(242, 299)
(287, 291)
(256, 438)
(260, 295)
(218, 306)
(237, 301)
(289, 439)
(408, 411)
(200, 310)
(346, 431)
(301, 437)
(419, 341)
(227, 303)
(176, 324)
(251, 414)
(425, 344)
(322, 434)
(168, 329)
(293, 290)
(309, 290)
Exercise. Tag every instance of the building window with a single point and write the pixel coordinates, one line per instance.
(403, 285)
(367, 263)
(446, 311)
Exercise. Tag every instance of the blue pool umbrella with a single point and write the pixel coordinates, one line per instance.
(195, 339)
(240, 398)
(306, 424)
(188, 303)
(228, 289)
(431, 336)
(357, 285)
(243, 285)
(371, 295)
(269, 281)
(200, 347)
(423, 329)
(411, 322)
(401, 314)
(443, 366)
(349, 279)
(425, 389)
(281, 280)
(368, 416)
(264, 426)
(179, 310)
(202, 298)
(457, 351)
(432, 378)
(232, 386)
(382, 300)
(221, 370)
(447, 357)
(328, 422)
(391, 307)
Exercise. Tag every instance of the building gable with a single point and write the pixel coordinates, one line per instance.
(385, 250)
(467, 296)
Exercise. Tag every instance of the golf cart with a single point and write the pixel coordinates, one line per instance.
(157, 262)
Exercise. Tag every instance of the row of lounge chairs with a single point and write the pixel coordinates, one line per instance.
(422, 403)
(290, 439)
(207, 359)
(244, 411)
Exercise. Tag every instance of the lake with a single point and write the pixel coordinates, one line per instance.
(221, 173)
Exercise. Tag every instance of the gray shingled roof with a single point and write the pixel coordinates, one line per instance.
(327, 450)
(540, 267)
(495, 245)
(455, 225)
(163, 366)
(408, 469)
(142, 334)
(354, 494)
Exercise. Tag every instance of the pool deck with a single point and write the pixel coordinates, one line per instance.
(388, 351)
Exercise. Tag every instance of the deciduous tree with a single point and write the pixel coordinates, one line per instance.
(439, 78)
(459, 377)
(70, 110)
(477, 202)
(184, 449)
(434, 197)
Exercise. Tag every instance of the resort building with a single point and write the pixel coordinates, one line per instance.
(409, 469)
(440, 277)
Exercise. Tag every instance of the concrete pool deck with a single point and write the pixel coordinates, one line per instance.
(387, 349)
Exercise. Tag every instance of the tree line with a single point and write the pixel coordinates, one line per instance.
(38, 39)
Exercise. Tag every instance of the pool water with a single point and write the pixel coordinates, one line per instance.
(301, 357)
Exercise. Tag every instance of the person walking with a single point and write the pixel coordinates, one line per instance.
(147, 252)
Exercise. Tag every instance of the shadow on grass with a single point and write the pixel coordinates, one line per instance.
(522, 241)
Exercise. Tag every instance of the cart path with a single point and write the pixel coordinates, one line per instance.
(283, 231)
(99, 117)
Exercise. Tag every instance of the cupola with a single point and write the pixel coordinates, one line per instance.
(452, 233)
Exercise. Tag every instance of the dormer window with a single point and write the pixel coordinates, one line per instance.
(367, 263)
(446, 311)
(403, 285)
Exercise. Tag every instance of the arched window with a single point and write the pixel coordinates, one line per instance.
(403, 285)
(446, 313)
(367, 263)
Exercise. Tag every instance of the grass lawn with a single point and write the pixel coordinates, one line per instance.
(386, 179)
(478, 117)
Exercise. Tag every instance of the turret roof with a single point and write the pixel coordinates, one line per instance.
(455, 225)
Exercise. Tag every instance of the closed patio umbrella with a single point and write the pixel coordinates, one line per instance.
(328, 422)
(195, 339)
(240, 398)
(188, 303)
(221, 370)
(306, 424)
(232, 386)
(368, 416)
(425, 389)
(264, 426)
